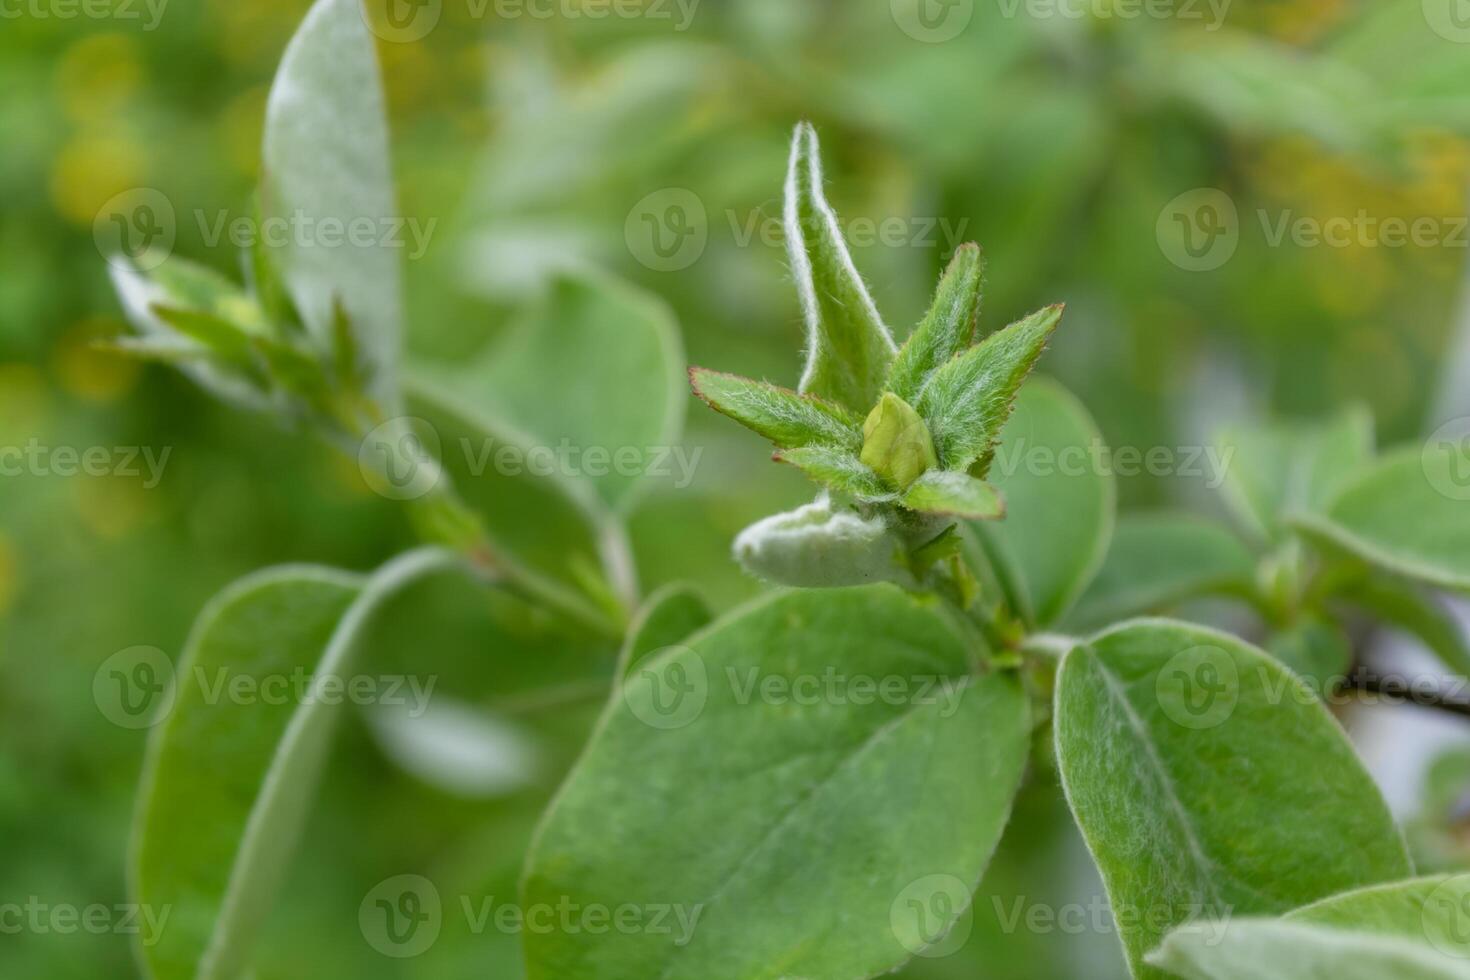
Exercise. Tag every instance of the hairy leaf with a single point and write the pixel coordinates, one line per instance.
(822, 545)
(1158, 560)
(183, 285)
(838, 470)
(597, 367)
(947, 494)
(1275, 471)
(1209, 781)
(326, 164)
(1250, 949)
(228, 780)
(1408, 514)
(672, 613)
(1059, 504)
(1403, 605)
(789, 420)
(969, 398)
(849, 349)
(1414, 930)
(826, 834)
(534, 519)
(1315, 649)
(948, 328)
(210, 331)
(1404, 908)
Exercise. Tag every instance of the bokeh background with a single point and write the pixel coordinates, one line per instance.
(1069, 139)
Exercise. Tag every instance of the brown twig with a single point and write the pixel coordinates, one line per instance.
(1365, 681)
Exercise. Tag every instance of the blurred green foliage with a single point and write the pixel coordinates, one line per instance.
(1059, 143)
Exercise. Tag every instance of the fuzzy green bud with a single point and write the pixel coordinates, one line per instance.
(896, 442)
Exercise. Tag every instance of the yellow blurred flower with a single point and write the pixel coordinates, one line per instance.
(98, 75)
(1302, 21)
(111, 506)
(92, 169)
(25, 402)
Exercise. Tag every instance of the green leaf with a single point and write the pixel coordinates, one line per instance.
(596, 366)
(533, 519)
(1059, 504)
(1254, 948)
(181, 284)
(1209, 781)
(262, 360)
(1275, 471)
(228, 780)
(838, 470)
(265, 282)
(192, 286)
(1158, 560)
(1401, 604)
(825, 836)
(969, 398)
(1414, 930)
(849, 349)
(1316, 650)
(170, 352)
(326, 163)
(947, 494)
(1403, 908)
(947, 330)
(1405, 514)
(347, 363)
(210, 331)
(823, 545)
(669, 615)
(947, 545)
(789, 420)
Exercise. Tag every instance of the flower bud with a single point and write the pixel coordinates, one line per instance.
(817, 546)
(896, 442)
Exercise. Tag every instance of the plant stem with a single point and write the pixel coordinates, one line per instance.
(440, 517)
(616, 552)
(1365, 681)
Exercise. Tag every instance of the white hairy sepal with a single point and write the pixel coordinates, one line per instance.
(823, 546)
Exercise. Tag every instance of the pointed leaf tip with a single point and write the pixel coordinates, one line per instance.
(947, 329)
(839, 470)
(946, 494)
(849, 349)
(969, 398)
(788, 419)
